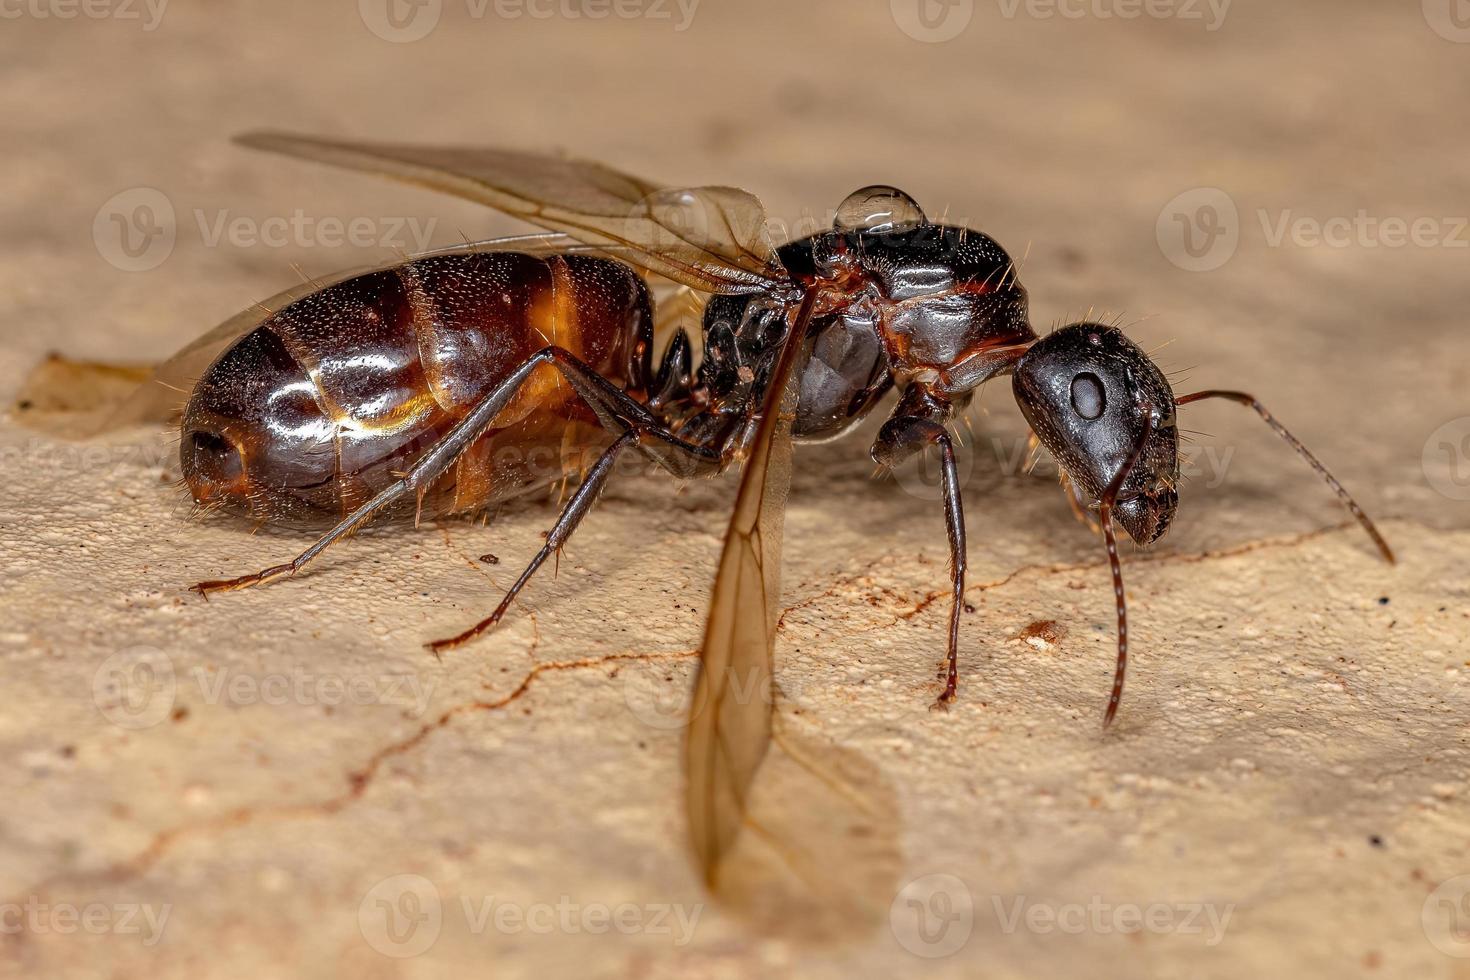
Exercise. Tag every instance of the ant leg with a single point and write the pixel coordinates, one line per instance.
(619, 411)
(1079, 504)
(1294, 443)
(615, 409)
(576, 509)
(609, 401)
(900, 437)
(954, 521)
(1032, 455)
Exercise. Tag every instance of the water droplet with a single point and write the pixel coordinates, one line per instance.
(878, 209)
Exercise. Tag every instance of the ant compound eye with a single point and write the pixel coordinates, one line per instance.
(1088, 399)
(878, 209)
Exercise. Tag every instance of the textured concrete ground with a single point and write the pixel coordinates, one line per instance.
(284, 783)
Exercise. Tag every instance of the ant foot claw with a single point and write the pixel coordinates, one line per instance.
(942, 703)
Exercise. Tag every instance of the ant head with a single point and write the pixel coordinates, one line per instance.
(1097, 403)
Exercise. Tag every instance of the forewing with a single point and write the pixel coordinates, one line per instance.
(711, 238)
(729, 727)
(158, 395)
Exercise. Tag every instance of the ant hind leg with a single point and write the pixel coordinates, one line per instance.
(576, 509)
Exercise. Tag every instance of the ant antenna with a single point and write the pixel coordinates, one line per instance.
(1294, 443)
(1105, 513)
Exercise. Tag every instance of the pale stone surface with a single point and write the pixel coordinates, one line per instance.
(1293, 745)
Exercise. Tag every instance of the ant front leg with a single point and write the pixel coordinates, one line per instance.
(917, 423)
(1081, 508)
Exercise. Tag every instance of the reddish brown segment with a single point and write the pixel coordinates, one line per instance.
(303, 419)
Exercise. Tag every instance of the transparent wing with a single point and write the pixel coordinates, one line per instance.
(155, 396)
(711, 238)
(163, 392)
(729, 726)
(675, 307)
